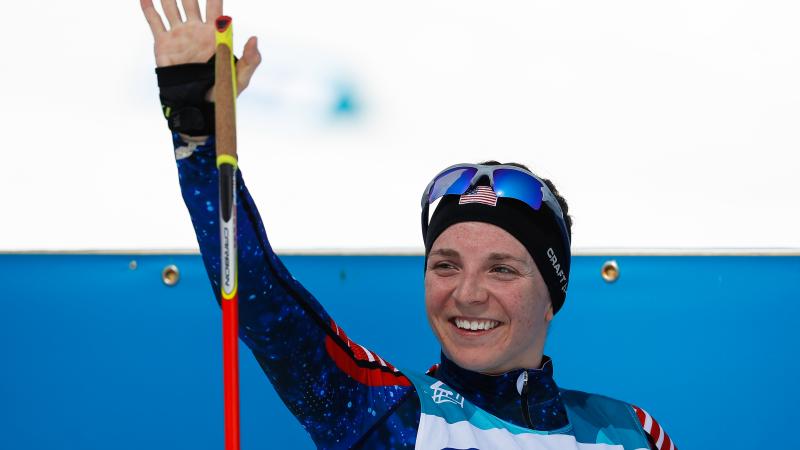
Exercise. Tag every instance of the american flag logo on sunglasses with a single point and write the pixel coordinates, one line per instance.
(479, 194)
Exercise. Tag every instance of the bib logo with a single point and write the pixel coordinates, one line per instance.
(441, 395)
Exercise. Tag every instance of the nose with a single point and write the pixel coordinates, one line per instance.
(470, 291)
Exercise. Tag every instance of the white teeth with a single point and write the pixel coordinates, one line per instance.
(475, 325)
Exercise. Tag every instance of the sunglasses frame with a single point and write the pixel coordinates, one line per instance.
(484, 170)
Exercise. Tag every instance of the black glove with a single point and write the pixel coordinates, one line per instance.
(183, 91)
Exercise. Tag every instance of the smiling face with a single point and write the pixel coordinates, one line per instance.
(485, 299)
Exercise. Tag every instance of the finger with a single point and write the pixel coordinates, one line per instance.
(248, 64)
(245, 67)
(213, 10)
(171, 11)
(152, 16)
(191, 9)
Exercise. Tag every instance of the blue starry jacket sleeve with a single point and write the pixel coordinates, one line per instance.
(337, 389)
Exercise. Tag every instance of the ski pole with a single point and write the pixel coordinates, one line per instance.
(227, 165)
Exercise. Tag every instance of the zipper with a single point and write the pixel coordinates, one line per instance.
(525, 413)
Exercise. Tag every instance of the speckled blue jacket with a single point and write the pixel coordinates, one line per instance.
(346, 396)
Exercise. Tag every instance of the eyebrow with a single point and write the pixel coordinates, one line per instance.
(446, 252)
(450, 253)
(505, 257)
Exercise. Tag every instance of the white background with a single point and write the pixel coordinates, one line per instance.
(664, 124)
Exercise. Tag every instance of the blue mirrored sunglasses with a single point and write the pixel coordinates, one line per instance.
(506, 181)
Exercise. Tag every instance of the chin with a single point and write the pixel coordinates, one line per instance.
(476, 360)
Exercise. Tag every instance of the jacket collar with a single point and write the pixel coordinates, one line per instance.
(502, 396)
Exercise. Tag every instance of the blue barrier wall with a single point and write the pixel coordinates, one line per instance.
(97, 354)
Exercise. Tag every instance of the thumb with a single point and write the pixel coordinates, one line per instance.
(247, 64)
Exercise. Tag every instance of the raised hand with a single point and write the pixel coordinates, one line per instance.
(192, 40)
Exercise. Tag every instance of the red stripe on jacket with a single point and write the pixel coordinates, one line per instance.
(654, 430)
(361, 364)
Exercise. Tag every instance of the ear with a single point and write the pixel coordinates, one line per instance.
(548, 314)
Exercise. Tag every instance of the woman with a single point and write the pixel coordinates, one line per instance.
(496, 271)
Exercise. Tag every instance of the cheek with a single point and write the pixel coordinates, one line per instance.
(524, 331)
(526, 312)
(435, 304)
(434, 296)
(437, 289)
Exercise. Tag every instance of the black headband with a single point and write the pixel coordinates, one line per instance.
(536, 230)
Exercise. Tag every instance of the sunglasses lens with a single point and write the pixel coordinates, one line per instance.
(454, 181)
(518, 185)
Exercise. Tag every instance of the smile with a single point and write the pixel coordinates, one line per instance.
(475, 325)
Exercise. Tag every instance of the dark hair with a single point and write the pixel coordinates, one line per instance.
(561, 201)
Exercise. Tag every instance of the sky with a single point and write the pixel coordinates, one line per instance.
(664, 124)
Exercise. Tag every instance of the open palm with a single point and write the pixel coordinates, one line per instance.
(191, 40)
